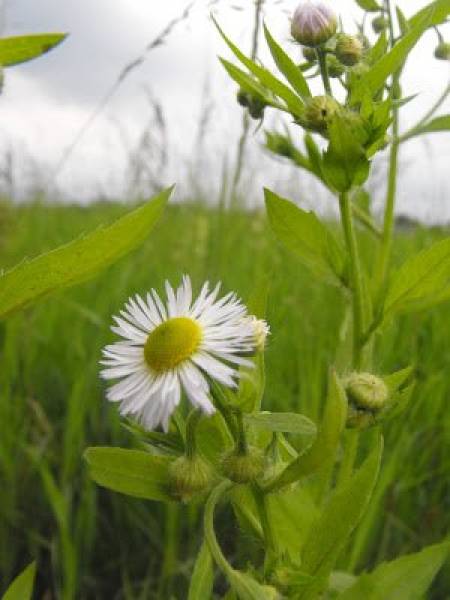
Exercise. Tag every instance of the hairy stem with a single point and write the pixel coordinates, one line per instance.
(210, 534)
(356, 278)
(322, 58)
(269, 537)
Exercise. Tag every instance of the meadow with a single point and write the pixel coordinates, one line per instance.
(91, 543)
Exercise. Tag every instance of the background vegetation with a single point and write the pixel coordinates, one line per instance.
(91, 543)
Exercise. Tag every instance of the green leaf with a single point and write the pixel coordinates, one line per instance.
(402, 21)
(79, 260)
(407, 577)
(246, 82)
(390, 63)
(304, 234)
(252, 384)
(22, 586)
(423, 279)
(326, 443)
(19, 49)
(397, 380)
(336, 522)
(130, 472)
(345, 163)
(287, 66)
(202, 579)
(282, 422)
(437, 125)
(369, 5)
(437, 11)
(265, 78)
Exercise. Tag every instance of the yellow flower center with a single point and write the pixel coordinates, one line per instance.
(171, 343)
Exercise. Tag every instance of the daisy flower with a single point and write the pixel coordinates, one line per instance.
(167, 348)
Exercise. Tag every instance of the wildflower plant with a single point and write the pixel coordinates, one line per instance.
(299, 487)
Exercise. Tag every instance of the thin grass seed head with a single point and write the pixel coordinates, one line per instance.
(313, 23)
(174, 347)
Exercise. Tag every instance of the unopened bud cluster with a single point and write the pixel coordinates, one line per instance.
(243, 467)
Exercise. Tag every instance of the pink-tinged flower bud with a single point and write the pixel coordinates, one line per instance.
(313, 23)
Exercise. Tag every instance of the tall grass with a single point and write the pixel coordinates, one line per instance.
(92, 544)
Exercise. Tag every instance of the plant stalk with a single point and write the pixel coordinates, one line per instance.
(356, 278)
(322, 58)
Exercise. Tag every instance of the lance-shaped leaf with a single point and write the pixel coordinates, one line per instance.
(390, 63)
(202, 579)
(22, 586)
(265, 78)
(326, 443)
(304, 234)
(437, 11)
(336, 522)
(19, 49)
(345, 163)
(79, 260)
(423, 280)
(130, 472)
(437, 125)
(369, 5)
(407, 577)
(287, 66)
(282, 423)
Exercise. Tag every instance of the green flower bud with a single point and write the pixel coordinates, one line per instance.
(442, 51)
(309, 54)
(256, 108)
(243, 98)
(335, 68)
(367, 396)
(313, 23)
(379, 24)
(366, 391)
(243, 468)
(349, 49)
(318, 112)
(189, 476)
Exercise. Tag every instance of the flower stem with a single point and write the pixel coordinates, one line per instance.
(191, 426)
(356, 278)
(269, 537)
(210, 534)
(322, 58)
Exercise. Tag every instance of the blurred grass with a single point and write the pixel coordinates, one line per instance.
(91, 543)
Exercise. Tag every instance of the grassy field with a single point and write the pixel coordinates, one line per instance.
(91, 543)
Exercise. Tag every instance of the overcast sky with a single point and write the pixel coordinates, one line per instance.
(46, 102)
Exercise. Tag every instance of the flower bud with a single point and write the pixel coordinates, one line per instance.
(367, 396)
(442, 51)
(309, 54)
(243, 468)
(349, 49)
(318, 112)
(313, 23)
(366, 391)
(335, 68)
(379, 24)
(189, 476)
(243, 98)
(256, 108)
